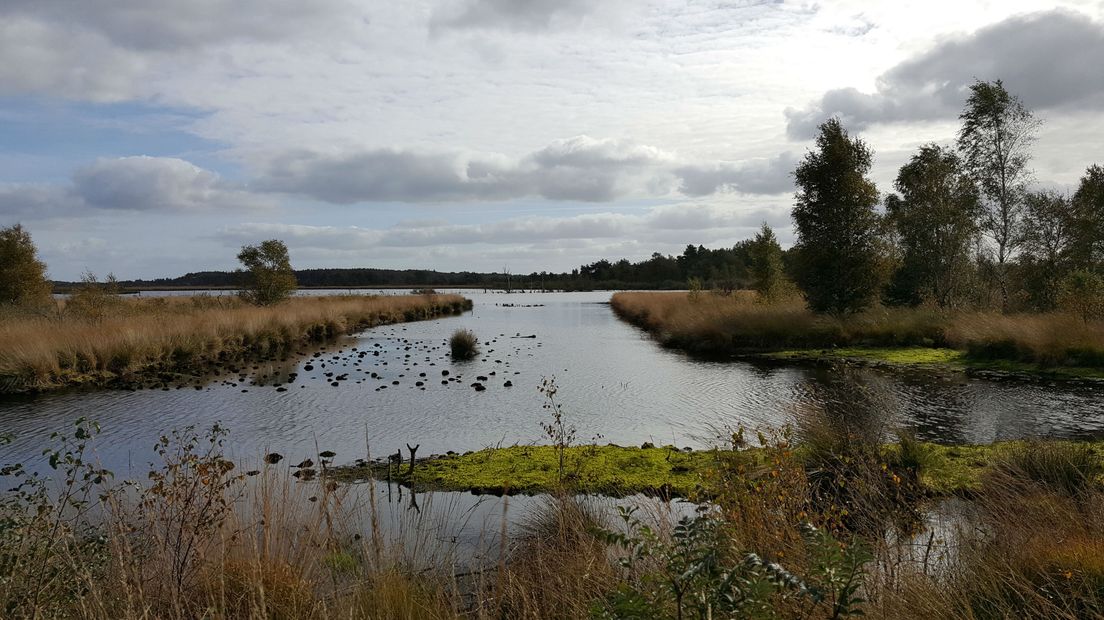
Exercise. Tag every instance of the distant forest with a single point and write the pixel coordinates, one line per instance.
(724, 268)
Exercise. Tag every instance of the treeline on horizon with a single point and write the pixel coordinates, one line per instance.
(727, 268)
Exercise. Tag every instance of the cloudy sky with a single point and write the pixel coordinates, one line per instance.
(155, 138)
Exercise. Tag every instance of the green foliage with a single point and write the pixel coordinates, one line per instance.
(463, 345)
(935, 220)
(22, 276)
(694, 286)
(1087, 244)
(995, 140)
(46, 542)
(1082, 293)
(839, 266)
(94, 300)
(700, 573)
(1049, 226)
(269, 278)
(767, 267)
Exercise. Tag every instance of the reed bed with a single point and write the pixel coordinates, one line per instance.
(707, 323)
(136, 336)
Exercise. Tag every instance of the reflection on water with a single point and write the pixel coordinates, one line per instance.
(395, 385)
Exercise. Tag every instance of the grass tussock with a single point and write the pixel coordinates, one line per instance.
(737, 323)
(464, 345)
(191, 335)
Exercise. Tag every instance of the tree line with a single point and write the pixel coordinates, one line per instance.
(964, 228)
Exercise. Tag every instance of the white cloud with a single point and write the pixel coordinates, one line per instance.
(1051, 60)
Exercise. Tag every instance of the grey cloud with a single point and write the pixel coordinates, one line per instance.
(156, 183)
(129, 184)
(1050, 59)
(41, 58)
(101, 50)
(175, 24)
(577, 169)
(18, 201)
(525, 15)
(765, 176)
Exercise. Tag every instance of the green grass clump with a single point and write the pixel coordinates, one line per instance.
(463, 344)
(1070, 468)
(607, 470)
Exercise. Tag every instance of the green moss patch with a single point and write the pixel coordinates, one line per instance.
(935, 357)
(891, 355)
(618, 471)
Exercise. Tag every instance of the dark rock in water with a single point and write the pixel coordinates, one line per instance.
(273, 458)
(481, 378)
(419, 383)
(308, 367)
(508, 384)
(394, 383)
(327, 454)
(281, 389)
(479, 387)
(444, 373)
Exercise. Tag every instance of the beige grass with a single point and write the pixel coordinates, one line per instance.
(136, 335)
(712, 323)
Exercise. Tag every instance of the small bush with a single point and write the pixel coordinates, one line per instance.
(463, 344)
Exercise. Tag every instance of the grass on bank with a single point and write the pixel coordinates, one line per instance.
(669, 472)
(185, 334)
(712, 324)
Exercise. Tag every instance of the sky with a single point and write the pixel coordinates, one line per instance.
(151, 139)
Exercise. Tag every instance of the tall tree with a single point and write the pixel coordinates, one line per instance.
(839, 267)
(269, 278)
(995, 141)
(1087, 245)
(22, 275)
(1046, 257)
(935, 218)
(766, 265)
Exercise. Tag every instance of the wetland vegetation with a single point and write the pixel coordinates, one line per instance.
(1056, 343)
(128, 339)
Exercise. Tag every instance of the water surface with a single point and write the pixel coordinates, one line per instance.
(615, 385)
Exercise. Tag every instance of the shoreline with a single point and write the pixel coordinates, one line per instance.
(166, 359)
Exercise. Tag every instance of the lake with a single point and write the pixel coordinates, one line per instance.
(615, 385)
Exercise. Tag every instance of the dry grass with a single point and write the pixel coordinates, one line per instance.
(202, 540)
(720, 324)
(184, 334)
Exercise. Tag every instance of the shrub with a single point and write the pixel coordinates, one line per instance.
(463, 344)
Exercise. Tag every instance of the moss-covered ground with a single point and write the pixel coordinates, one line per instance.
(618, 471)
(933, 357)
